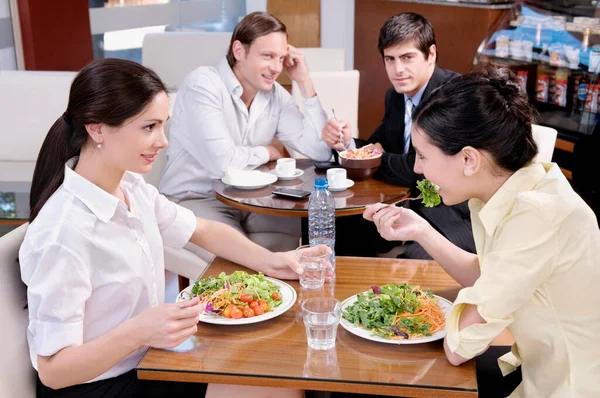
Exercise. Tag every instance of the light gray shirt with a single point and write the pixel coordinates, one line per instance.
(212, 129)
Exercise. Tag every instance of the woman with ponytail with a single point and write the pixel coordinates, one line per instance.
(536, 271)
(92, 258)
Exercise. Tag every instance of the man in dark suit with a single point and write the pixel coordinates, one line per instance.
(407, 45)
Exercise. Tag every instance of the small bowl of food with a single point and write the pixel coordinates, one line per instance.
(360, 163)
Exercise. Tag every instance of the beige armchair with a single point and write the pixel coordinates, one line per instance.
(17, 378)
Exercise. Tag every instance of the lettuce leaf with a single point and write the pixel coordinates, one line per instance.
(429, 191)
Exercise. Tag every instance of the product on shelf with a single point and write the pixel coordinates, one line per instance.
(561, 81)
(591, 101)
(543, 80)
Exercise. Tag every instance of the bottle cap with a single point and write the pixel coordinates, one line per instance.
(321, 183)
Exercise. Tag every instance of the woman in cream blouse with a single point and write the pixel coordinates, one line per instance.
(537, 267)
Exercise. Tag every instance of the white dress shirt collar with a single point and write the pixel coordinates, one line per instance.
(100, 202)
(230, 79)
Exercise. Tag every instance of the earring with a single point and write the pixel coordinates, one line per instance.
(99, 146)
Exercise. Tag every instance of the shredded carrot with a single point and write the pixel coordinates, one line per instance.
(428, 310)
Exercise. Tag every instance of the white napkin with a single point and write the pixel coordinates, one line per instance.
(237, 176)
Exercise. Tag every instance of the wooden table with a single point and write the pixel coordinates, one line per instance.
(274, 353)
(349, 202)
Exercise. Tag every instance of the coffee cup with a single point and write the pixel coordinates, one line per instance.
(336, 178)
(286, 167)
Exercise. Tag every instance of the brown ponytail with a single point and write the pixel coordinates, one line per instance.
(109, 91)
(61, 144)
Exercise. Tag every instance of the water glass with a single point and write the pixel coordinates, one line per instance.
(330, 243)
(321, 317)
(314, 261)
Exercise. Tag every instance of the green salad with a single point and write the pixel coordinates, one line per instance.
(237, 290)
(396, 311)
(429, 191)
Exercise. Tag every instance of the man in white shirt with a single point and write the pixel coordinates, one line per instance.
(228, 116)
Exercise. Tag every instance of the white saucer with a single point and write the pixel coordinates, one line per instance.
(349, 184)
(297, 174)
(252, 180)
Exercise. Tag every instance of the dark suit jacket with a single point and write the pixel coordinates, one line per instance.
(454, 222)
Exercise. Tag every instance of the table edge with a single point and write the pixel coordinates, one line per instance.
(300, 213)
(291, 382)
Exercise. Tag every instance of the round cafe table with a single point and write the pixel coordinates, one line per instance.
(350, 202)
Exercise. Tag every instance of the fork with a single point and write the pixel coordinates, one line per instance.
(420, 196)
(341, 134)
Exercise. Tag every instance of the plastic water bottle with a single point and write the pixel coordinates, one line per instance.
(321, 218)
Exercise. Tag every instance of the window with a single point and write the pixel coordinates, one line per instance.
(118, 26)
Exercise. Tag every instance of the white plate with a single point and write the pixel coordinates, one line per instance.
(288, 297)
(297, 173)
(258, 180)
(445, 305)
(349, 184)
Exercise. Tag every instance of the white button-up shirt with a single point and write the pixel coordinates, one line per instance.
(212, 129)
(90, 264)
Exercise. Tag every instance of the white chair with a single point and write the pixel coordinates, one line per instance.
(30, 103)
(17, 378)
(172, 55)
(337, 91)
(545, 138)
(320, 59)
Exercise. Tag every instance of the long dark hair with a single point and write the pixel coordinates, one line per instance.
(485, 110)
(109, 91)
(253, 26)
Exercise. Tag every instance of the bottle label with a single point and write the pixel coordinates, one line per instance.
(582, 92)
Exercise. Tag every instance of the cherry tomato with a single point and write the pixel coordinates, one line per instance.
(254, 304)
(246, 298)
(258, 310)
(236, 313)
(276, 296)
(248, 312)
(264, 304)
(227, 312)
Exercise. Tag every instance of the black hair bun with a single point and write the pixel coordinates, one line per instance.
(504, 81)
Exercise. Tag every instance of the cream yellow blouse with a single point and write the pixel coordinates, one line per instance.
(538, 245)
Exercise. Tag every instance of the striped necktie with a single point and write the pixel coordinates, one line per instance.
(407, 123)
